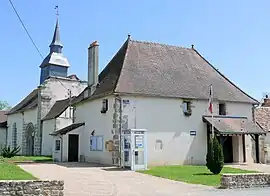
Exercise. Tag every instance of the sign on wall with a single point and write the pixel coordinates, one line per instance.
(192, 133)
(139, 141)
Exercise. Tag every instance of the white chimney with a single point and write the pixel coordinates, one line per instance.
(93, 66)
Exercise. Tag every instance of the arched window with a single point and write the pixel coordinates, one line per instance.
(14, 135)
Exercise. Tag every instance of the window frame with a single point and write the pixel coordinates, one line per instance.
(14, 135)
(104, 107)
(222, 112)
(187, 107)
(95, 138)
(57, 145)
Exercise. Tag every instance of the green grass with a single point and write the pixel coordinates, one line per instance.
(28, 158)
(191, 174)
(10, 171)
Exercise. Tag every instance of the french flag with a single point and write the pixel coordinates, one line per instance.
(210, 104)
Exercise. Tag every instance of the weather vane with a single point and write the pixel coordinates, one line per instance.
(57, 10)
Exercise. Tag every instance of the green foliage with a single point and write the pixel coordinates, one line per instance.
(214, 157)
(4, 105)
(209, 156)
(8, 152)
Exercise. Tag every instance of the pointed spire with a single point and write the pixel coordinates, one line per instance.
(56, 45)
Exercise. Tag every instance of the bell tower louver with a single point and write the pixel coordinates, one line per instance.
(55, 63)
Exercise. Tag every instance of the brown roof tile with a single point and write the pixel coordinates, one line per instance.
(262, 117)
(234, 125)
(58, 108)
(168, 71)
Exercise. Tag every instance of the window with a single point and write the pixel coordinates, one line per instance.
(96, 143)
(14, 135)
(73, 114)
(222, 109)
(57, 144)
(187, 108)
(104, 108)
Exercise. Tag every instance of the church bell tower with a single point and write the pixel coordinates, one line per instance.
(55, 63)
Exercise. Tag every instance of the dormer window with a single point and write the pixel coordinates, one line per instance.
(222, 109)
(187, 107)
(104, 108)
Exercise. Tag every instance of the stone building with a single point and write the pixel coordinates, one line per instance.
(165, 90)
(24, 122)
(262, 116)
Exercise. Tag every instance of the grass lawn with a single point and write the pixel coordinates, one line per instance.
(191, 174)
(28, 158)
(10, 171)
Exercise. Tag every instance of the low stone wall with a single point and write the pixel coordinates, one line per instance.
(32, 187)
(245, 180)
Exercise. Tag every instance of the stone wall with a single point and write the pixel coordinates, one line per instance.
(245, 180)
(29, 187)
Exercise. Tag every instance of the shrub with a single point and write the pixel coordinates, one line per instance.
(214, 157)
(8, 152)
(209, 155)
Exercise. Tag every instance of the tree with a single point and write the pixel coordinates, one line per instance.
(209, 156)
(4, 105)
(214, 157)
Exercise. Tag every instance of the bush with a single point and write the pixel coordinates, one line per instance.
(8, 152)
(214, 157)
(209, 156)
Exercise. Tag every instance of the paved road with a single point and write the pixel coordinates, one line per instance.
(90, 180)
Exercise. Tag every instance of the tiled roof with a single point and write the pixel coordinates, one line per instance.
(58, 108)
(234, 125)
(262, 117)
(154, 69)
(28, 102)
(67, 129)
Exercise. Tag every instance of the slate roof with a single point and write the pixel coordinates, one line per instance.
(234, 125)
(67, 129)
(154, 69)
(262, 117)
(58, 108)
(28, 102)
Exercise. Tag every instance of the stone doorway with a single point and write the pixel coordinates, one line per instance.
(30, 136)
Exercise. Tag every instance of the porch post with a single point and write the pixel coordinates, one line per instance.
(257, 148)
(244, 147)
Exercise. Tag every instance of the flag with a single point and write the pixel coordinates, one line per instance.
(210, 104)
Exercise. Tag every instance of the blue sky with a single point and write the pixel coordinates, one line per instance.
(233, 35)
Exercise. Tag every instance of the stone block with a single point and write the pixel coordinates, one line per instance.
(29, 187)
(231, 181)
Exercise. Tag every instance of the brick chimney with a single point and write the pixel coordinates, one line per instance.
(93, 66)
(266, 101)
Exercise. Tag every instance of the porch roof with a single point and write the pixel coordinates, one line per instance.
(233, 125)
(67, 129)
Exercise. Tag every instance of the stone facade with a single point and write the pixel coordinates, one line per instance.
(25, 133)
(117, 117)
(49, 188)
(245, 180)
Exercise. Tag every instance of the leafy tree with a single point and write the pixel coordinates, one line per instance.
(4, 105)
(214, 157)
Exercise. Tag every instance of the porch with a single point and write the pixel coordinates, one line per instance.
(233, 132)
